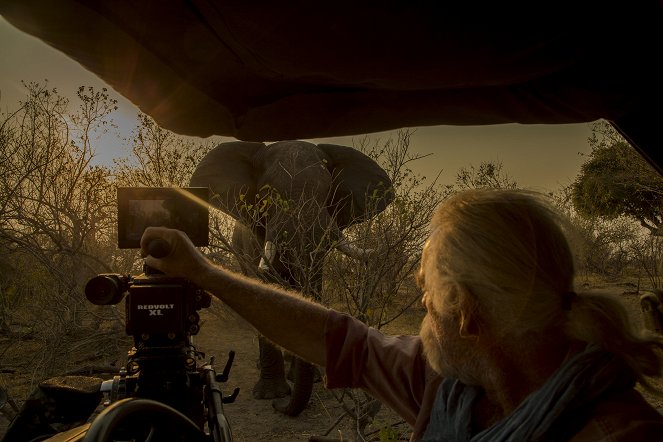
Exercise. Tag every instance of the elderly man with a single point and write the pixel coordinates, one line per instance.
(507, 350)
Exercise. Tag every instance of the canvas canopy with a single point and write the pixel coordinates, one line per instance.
(273, 70)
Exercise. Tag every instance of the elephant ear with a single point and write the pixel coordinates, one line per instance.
(361, 189)
(228, 172)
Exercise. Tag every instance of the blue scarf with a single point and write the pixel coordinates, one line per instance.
(559, 406)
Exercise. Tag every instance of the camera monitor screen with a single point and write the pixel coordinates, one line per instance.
(186, 209)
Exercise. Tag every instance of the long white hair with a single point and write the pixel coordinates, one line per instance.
(508, 251)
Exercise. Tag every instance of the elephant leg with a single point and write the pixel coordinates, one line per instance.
(272, 383)
(301, 390)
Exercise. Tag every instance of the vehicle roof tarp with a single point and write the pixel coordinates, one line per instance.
(274, 70)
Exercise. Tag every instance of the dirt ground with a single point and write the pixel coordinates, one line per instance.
(256, 420)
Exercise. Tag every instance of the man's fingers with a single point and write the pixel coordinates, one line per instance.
(150, 235)
(158, 247)
(153, 262)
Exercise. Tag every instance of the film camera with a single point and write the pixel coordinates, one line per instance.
(160, 311)
(164, 392)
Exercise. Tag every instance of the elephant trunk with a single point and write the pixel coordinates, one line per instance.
(304, 374)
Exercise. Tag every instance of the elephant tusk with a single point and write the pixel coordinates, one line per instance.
(269, 253)
(353, 251)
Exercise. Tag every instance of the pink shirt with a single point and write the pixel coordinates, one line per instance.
(393, 369)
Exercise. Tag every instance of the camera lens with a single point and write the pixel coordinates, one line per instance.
(106, 289)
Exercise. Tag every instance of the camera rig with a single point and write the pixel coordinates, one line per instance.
(165, 391)
(162, 367)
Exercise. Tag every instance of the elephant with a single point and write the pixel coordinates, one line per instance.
(290, 201)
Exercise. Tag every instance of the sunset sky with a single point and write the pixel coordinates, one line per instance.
(540, 157)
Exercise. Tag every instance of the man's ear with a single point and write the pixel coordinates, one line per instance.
(469, 318)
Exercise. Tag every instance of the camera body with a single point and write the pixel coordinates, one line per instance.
(162, 316)
(158, 307)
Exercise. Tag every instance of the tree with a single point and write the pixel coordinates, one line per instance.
(382, 289)
(647, 253)
(488, 174)
(159, 157)
(617, 181)
(603, 247)
(57, 216)
(52, 201)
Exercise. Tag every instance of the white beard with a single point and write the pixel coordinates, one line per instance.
(450, 356)
(431, 345)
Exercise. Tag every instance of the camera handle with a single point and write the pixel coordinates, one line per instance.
(216, 419)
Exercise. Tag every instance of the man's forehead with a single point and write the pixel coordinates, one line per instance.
(432, 244)
(421, 274)
(427, 269)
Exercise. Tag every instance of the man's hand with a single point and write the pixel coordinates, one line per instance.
(183, 260)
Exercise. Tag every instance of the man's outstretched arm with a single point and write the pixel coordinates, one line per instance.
(287, 319)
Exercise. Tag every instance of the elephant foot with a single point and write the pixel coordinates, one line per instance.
(281, 405)
(271, 389)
